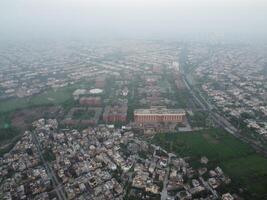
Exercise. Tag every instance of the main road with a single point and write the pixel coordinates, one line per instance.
(221, 121)
(59, 191)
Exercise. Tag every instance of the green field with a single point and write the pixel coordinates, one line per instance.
(84, 114)
(50, 97)
(247, 169)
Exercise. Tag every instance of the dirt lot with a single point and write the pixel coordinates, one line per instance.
(23, 119)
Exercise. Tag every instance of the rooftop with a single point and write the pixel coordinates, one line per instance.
(159, 111)
(96, 91)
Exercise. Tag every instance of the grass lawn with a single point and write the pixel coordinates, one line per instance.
(84, 114)
(238, 160)
(181, 97)
(251, 172)
(50, 97)
(198, 119)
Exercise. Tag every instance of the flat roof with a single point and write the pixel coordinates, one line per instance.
(96, 91)
(159, 111)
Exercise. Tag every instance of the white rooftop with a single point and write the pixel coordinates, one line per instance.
(96, 91)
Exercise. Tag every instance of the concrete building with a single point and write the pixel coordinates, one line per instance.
(159, 114)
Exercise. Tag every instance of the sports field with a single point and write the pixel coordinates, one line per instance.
(246, 168)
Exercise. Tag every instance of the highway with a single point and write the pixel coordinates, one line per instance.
(222, 121)
(56, 185)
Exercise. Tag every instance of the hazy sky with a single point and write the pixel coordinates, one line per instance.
(133, 18)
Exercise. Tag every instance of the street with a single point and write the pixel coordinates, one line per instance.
(50, 172)
(222, 121)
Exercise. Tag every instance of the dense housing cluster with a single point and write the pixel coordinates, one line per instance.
(101, 163)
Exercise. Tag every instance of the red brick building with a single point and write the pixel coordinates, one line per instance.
(100, 82)
(159, 114)
(115, 114)
(90, 101)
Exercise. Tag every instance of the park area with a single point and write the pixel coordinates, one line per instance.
(246, 168)
(50, 97)
(60, 96)
(17, 114)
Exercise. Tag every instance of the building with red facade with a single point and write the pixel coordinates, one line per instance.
(100, 82)
(159, 114)
(90, 101)
(115, 114)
